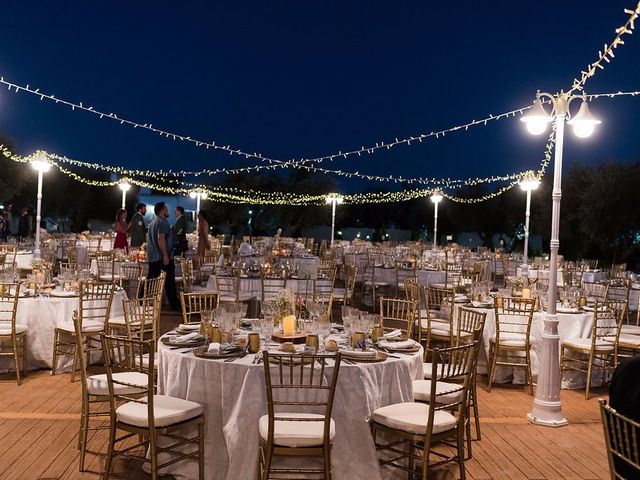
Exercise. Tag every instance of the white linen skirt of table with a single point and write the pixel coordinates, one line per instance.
(570, 325)
(41, 315)
(425, 277)
(234, 398)
(252, 287)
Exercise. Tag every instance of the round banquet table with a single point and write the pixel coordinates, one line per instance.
(570, 325)
(425, 277)
(252, 287)
(41, 315)
(233, 398)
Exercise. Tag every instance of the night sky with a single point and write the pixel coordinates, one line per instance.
(300, 78)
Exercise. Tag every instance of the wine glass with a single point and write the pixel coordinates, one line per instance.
(266, 329)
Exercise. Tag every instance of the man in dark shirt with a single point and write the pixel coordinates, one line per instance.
(624, 397)
(160, 253)
(138, 229)
(24, 223)
(180, 242)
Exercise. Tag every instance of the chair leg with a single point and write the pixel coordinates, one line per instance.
(153, 453)
(201, 451)
(529, 376)
(110, 448)
(84, 427)
(56, 338)
(493, 355)
(75, 363)
(16, 361)
(327, 462)
(267, 463)
(24, 355)
(411, 459)
(586, 392)
(460, 448)
(476, 415)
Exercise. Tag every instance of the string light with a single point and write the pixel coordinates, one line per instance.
(606, 54)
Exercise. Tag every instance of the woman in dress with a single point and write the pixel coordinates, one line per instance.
(122, 227)
(203, 233)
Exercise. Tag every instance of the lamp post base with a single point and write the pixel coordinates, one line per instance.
(547, 414)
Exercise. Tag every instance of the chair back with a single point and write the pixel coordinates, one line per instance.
(228, 286)
(439, 303)
(398, 314)
(350, 274)
(9, 295)
(513, 316)
(186, 265)
(270, 286)
(621, 436)
(94, 301)
(298, 383)
(596, 292)
(131, 274)
(129, 355)
(607, 319)
(10, 251)
(470, 325)
(139, 315)
(323, 285)
(193, 304)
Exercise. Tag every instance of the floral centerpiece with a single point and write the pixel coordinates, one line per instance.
(285, 302)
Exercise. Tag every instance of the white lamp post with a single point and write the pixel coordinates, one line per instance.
(198, 195)
(528, 183)
(333, 199)
(436, 198)
(41, 164)
(124, 186)
(547, 407)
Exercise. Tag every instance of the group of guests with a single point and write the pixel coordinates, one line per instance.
(164, 242)
(20, 225)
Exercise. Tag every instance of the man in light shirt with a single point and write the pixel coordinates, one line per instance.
(160, 253)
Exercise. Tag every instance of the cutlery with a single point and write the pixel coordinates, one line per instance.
(233, 359)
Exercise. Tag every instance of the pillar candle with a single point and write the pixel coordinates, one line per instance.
(289, 325)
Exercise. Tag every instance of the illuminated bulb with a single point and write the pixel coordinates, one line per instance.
(536, 127)
(536, 118)
(583, 130)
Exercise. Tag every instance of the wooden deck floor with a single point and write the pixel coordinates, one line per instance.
(39, 425)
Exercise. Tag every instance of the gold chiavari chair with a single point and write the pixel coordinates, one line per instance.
(345, 295)
(148, 416)
(621, 436)
(154, 288)
(595, 292)
(108, 268)
(398, 314)
(295, 427)
(591, 264)
(95, 392)
(620, 293)
(193, 304)
(419, 425)
(94, 307)
(10, 251)
(228, 286)
(323, 285)
(11, 334)
(403, 273)
(271, 286)
(512, 337)
(600, 352)
(439, 313)
(131, 277)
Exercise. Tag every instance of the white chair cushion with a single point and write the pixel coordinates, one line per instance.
(97, 384)
(630, 341)
(412, 417)
(512, 339)
(5, 328)
(166, 411)
(585, 344)
(630, 329)
(296, 434)
(445, 392)
(87, 326)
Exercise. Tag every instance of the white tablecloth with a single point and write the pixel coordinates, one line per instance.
(252, 287)
(425, 277)
(41, 315)
(570, 325)
(234, 398)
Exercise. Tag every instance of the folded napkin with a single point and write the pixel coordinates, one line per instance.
(394, 334)
(186, 338)
(561, 309)
(214, 348)
(359, 353)
(481, 304)
(189, 326)
(397, 345)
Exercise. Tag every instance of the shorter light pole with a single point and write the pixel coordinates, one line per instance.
(436, 198)
(41, 164)
(198, 195)
(124, 186)
(333, 199)
(528, 183)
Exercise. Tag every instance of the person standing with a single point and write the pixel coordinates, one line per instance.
(24, 223)
(138, 229)
(121, 227)
(160, 252)
(180, 242)
(203, 233)
(3, 226)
